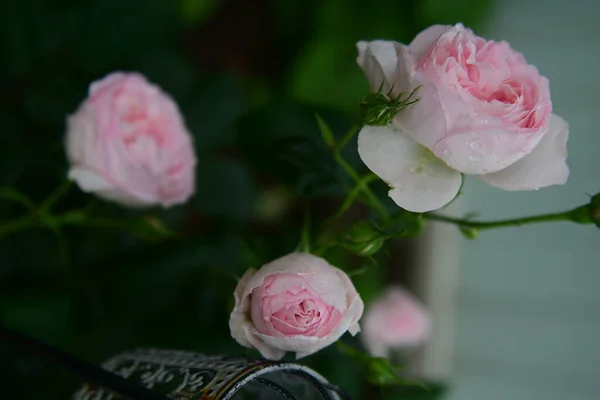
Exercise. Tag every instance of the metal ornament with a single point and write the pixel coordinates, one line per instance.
(182, 375)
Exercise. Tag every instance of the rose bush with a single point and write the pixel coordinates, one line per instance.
(128, 143)
(296, 303)
(483, 111)
(394, 320)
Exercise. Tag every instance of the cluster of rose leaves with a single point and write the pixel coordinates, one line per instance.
(476, 107)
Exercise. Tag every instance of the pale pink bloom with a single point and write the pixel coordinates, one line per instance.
(483, 111)
(128, 143)
(396, 320)
(296, 303)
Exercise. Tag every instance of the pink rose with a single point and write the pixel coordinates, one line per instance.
(395, 320)
(483, 111)
(296, 303)
(128, 143)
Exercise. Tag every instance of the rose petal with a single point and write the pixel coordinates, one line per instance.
(395, 320)
(422, 43)
(544, 166)
(238, 316)
(316, 272)
(425, 121)
(241, 302)
(306, 345)
(420, 182)
(91, 182)
(236, 326)
(378, 60)
(351, 290)
(269, 352)
(486, 149)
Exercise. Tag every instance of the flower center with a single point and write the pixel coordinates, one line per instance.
(139, 125)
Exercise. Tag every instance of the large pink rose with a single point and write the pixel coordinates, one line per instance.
(395, 320)
(128, 143)
(483, 111)
(296, 303)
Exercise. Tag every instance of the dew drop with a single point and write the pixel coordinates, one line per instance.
(474, 158)
(416, 169)
(475, 134)
(475, 145)
(445, 152)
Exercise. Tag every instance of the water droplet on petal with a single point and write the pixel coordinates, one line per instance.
(475, 145)
(474, 158)
(475, 134)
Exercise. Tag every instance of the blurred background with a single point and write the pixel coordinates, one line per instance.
(516, 311)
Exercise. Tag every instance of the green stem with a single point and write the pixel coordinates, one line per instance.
(305, 244)
(346, 138)
(465, 223)
(55, 197)
(12, 194)
(17, 225)
(359, 187)
(375, 203)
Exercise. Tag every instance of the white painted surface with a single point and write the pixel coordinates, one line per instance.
(528, 306)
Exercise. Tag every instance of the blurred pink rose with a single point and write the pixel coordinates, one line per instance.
(128, 143)
(395, 320)
(296, 303)
(483, 111)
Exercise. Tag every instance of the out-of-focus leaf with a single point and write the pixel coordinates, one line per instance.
(225, 190)
(326, 72)
(298, 156)
(198, 11)
(449, 12)
(43, 316)
(211, 111)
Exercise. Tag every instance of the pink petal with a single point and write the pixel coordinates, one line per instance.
(306, 345)
(91, 182)
(422, 43)
(395, 320)
(544, 166)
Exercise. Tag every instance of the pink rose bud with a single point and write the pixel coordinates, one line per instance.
(128, 143)
(296, 303)
(482, 110)
(395, 320)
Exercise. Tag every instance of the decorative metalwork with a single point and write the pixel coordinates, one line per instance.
(184, 375)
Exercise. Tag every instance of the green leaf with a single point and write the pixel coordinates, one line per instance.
(325, 131)
(469, 232)
(297, 157)
(212, 110)
(46, 316)
(225, 189)
(198, 11)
